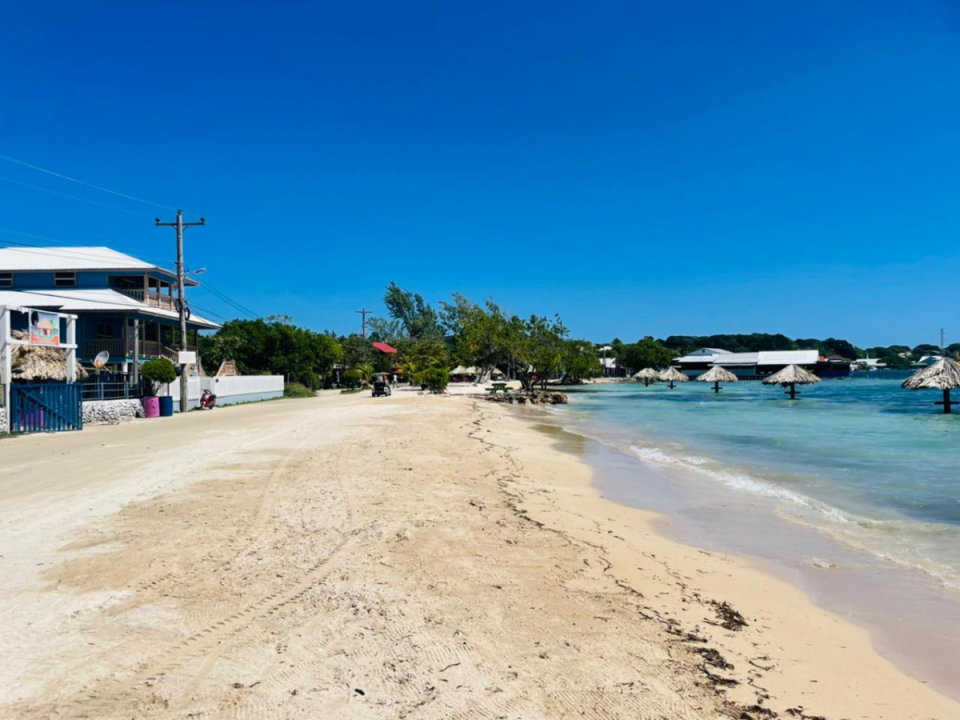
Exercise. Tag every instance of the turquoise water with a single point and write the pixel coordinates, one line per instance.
(861, 458)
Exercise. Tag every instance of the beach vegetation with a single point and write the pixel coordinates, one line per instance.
(297, 390)
(645, 353)
(580, 361)
(158, 372)
(274, 346)
(436, 379)
(352, 378)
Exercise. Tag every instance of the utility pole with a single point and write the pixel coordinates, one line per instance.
(363, 327)
(182, 303)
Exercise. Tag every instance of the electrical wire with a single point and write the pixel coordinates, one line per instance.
(82, 182)
(73, 197)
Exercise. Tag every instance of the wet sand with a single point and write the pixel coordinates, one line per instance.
(912, 618)
(421, 557)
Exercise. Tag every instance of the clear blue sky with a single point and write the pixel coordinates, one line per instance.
(640, 168)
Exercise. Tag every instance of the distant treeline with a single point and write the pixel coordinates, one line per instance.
(755, 342)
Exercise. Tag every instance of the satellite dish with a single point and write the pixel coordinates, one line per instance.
(101, 359)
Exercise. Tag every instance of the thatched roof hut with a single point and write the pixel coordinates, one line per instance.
(647, 376)
(943, 375)
(791, 376)
(40, 362)
(672, 375)
(717, 375)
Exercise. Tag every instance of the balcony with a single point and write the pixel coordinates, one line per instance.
(151, 298)
(114, 346)
(117, 348)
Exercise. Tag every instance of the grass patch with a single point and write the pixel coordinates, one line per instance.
(296, 390)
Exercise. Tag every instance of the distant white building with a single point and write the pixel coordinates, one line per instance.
(746, 365)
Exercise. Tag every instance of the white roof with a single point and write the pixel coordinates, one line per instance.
(775, 357)
(90, 300)
(747, 358)
(68, 258)
(609, 363)
(789, 357)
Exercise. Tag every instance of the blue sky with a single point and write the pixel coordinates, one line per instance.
(640, 168)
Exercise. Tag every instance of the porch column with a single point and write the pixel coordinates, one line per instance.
(136, 352)
(6, 366)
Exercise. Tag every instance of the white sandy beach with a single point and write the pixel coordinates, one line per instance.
(416, 556)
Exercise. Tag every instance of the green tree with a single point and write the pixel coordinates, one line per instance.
(580, 361)
(416, 317)
(646, 353)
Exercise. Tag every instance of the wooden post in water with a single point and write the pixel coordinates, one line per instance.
(716, 387)
(793, 391)
(946, 402)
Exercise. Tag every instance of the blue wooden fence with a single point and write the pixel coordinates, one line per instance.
(46, 407)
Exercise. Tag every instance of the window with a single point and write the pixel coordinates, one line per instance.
(104, 331)
(65, 279)
(6, 280)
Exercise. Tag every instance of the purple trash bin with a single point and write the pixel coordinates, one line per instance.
(151, 407)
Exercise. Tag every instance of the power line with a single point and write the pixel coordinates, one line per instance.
(72, 197)
(233, 303)
(82, 182)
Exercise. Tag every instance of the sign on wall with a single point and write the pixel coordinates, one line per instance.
(44, 328)
(187, 357)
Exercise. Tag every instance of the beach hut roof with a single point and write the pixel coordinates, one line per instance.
(792, 375)
(647, 373)
(671, 374)
(942, 375)
(39, 362)
(717, 374)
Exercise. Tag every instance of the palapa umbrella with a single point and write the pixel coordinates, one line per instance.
(791, 376)
(672, 375)
(647, 376)
(717, 375)
(944, 375)
(39, 362)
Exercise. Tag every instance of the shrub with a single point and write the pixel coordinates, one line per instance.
(296, 390)
(158, 372)
(352, 378)
(436, 379)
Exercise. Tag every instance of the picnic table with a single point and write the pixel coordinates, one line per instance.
(498, 387)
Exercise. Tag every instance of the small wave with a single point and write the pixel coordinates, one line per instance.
(902, 542)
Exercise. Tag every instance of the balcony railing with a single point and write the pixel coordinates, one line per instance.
(151, 298)
(116, 348)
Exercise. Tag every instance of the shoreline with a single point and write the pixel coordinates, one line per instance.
(913, 618)
(412, 556)
(832, 661)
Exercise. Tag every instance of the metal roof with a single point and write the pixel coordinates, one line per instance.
(789, 357)
(774, 357)
(92, 300)
(63, 259)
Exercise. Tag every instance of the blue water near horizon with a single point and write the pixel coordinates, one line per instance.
(861, 458)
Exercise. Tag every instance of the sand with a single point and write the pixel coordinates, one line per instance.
(421, 557)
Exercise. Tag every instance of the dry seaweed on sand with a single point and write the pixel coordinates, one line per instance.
(729, 618)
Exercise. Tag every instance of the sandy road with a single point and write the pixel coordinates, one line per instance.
(335, 558)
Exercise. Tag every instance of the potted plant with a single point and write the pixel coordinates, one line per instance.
(156, 373)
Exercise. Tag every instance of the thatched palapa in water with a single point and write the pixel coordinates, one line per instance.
(942, 375)
(672, 375)
(791, 376)
(717, 375)
(647, 376)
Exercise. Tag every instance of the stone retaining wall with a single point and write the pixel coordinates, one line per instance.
(111, 411)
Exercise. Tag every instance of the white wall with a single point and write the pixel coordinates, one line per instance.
(230, 390)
